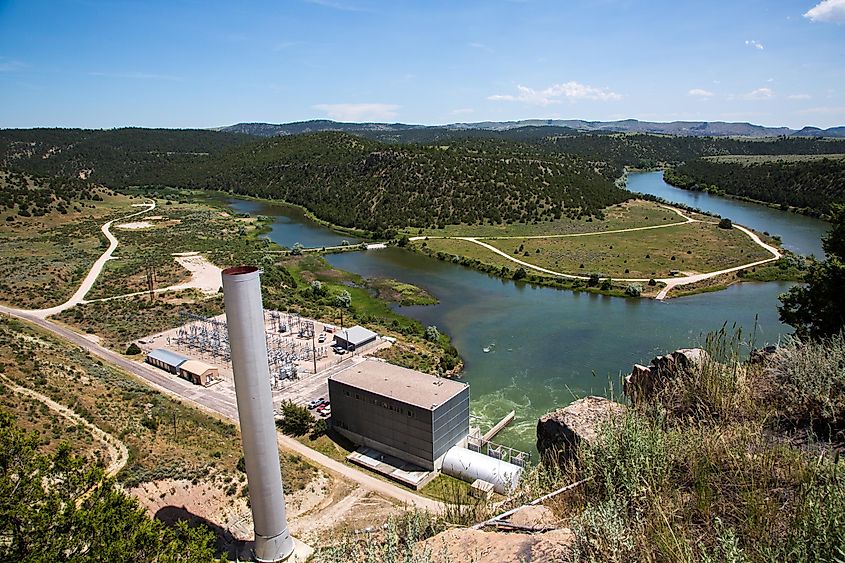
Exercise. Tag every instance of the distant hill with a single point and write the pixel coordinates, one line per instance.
(388, 175)
(679, 128)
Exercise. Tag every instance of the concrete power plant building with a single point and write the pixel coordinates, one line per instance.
(404, 413)
(245, 321)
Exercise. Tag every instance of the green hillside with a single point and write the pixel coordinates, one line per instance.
(810, 185)
(381, 180)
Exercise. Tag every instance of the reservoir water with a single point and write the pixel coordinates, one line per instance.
(801, 234)
(550, 346)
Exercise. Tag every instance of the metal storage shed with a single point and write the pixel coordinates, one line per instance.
(354, 337)
(166, 360)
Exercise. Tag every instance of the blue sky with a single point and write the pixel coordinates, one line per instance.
(195, 63)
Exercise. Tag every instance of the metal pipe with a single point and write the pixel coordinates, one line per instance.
(248, 347)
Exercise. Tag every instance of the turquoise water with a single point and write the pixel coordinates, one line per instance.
(550, 346)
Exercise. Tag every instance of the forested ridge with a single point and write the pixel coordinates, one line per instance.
(28, 195)
(352, 181)
(378, 180)
(810, 186)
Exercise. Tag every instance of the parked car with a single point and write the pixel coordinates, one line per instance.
(322, 338)
(316, 403)
(327, 411)
(322, 408)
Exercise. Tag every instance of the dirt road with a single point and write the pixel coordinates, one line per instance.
(671, 283)
(118, 452)
(223, 405)
(95, 270)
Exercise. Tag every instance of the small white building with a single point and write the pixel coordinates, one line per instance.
(354, 337)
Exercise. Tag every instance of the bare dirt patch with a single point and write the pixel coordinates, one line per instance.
(134, 226)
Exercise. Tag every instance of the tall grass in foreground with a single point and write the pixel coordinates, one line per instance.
(706, 471)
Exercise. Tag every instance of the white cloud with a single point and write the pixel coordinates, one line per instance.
(759, 94)
(799, 96)
(824, 110)
(358, 112)
(831, 11)
(553, 94)
(754, 43)
(136, 75)
(462, 111)
(481, 47)
(700, 93)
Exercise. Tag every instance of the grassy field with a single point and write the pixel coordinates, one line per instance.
(693, 248)
(765, 158)
(43, 259)
(630, 214)
(165, 438)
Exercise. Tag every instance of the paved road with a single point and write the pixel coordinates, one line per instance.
(95, 270)
(220, 404)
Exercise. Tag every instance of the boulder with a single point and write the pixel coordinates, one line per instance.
(559, 433)
(644, 381)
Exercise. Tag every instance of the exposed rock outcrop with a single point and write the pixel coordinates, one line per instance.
(645, 381)
(559, 433)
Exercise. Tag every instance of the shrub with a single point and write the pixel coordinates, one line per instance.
(725, 223)
(810, 379)
(296, 419)
(634, 290)
(132, 350)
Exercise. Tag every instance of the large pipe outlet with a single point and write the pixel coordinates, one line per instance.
(245, 322)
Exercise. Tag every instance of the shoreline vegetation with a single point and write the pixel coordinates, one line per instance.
(748, 179)
(784, 269)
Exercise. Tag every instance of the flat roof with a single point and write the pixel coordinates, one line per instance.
(355, 335)
(402, 384)
(196, 366)
(170, 358)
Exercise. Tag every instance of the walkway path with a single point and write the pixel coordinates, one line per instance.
(94, 273)
(671, 283)
(118, 451)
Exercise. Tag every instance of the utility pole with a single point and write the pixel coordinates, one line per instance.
(314, 348)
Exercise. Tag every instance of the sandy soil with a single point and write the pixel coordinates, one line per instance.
(323, 509)
(134, 226)
(205, 276)
(494, 547)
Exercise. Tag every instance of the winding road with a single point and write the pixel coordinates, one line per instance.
(671, 282)
(95, 270)
(118, 452)
(207, 399)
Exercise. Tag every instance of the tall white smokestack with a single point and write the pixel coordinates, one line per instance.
(245, 321)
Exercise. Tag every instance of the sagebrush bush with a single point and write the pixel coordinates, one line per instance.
(810, 378)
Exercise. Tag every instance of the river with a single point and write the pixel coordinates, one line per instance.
(549, 346)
